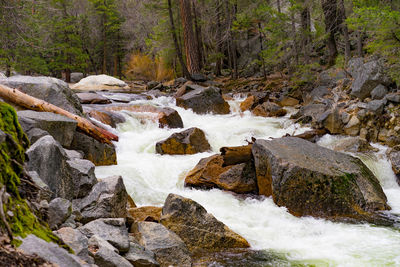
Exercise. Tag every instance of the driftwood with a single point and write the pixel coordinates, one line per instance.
(30, 102)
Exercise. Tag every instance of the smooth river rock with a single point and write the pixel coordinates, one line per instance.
(312, 180)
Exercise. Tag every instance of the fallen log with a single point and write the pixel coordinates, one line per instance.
(33, 103)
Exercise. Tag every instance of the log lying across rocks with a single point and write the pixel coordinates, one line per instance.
(30, 102)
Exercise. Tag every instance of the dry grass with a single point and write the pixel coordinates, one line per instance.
(142, 67)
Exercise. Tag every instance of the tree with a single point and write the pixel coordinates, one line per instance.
(329, 8)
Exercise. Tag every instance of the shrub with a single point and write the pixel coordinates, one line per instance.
(143, 67)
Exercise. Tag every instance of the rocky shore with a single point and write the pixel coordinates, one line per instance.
(51, 192)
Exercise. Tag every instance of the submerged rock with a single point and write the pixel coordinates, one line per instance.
(190, 141)
(204, 100)
(196, 227)
(312, 180)
(166, 245)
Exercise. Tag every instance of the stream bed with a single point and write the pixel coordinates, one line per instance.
(283, 240)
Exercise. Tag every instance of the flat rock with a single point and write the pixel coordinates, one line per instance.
(315, 181)
(92, 98)
(204, 100)
(100, 82)
(112, 230)
(166, 245)
(196, 227)
(60, 127)
(108, 199)
(50, 252)
(190, 141)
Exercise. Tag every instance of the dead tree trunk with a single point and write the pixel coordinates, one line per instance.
(30, 102)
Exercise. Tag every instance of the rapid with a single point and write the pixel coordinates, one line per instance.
(150, 177)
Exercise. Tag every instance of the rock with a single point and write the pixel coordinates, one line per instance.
(60, 127)
(190, 141)
(166, 245)
(108, 199)
(56, 175)
(353, 144)
(309, 113)
(167, 117)
(82, 173)
(76, 241)
(180, 80)
(73, 154)
(317, 94)
(331, 121)
(76, 77)
(269, 109)
(112, 230)
(100, 82)
(35, 134)
(92, 98)
(98, 153)
(331, 77)
(287, 101)
(198, 77)
(196, 227)
(248, 103)
(187, 87)
(379, 92)
(204, 100)
(210, 172)
(147, 213)
(2, 76)
(59, 210)
(236, 155)
(44, 190)
(394, 158)
(105, 254)
(393, 97)
(50, 252)
(50, 89)
(376, 106)
(354, 65)
(310, 180)
(140, 257)
(367, 77)
(106, 117)
(152, 84)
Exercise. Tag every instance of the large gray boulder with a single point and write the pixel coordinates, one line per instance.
(204, 100)
(98, 153)
(108, 199)
(60, 127)
(105, 254)
(82, 173)
(312, 180)
(139, 256)
(59, 211)
(76, 241)
(52, 90)
(112, 230)
(166, 245)
(196, 227)
(51, 252)
(367, 77)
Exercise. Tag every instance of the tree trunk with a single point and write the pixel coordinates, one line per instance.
(306, 29)
(191, 50)
(199, 36)
(329, 8)
(294, 43)
(185, 71)
(262, 48)
(359, 43)
(218, 66)
(30, 102)
(345, 30)
(278, 5)
(104, 69)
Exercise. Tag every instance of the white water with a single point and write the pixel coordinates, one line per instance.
(149, 178)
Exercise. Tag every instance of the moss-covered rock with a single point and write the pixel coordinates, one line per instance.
(19, 216)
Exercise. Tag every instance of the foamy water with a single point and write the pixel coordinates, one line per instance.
(149, 178)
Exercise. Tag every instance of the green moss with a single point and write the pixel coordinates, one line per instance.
(12, 156)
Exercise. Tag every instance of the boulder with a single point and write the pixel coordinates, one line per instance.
(108, 199)
(146, 213)
(309, 113)
(393, 97)
(269, 109)
(353, 144)
(287, 101)
(166, 117)
(140, 257)
(166, 245)
(60, 127)
(58, 212)
(353, 126)
(105, 254)
(253, 100)
(99, 153)
(76, 241)
(190, 141)
(368, 77)
(376, 106)
(100, 82)
(56, 175)
(76, 77)
(211, 172)
(317, 94)
(50, 89)
(44, 192)
(35, 134)
(196, 227)
(112, 230)
(82, 173)
(51, 252)
(204, 100)
(187, 87)
(311, 180)
(106, 117)
(331, 121)
(394, 158)
(379, 92)
(92, 98)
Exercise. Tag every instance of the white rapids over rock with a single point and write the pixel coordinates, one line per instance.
(149, 178)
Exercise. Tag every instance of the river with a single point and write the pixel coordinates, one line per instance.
(150, 177)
